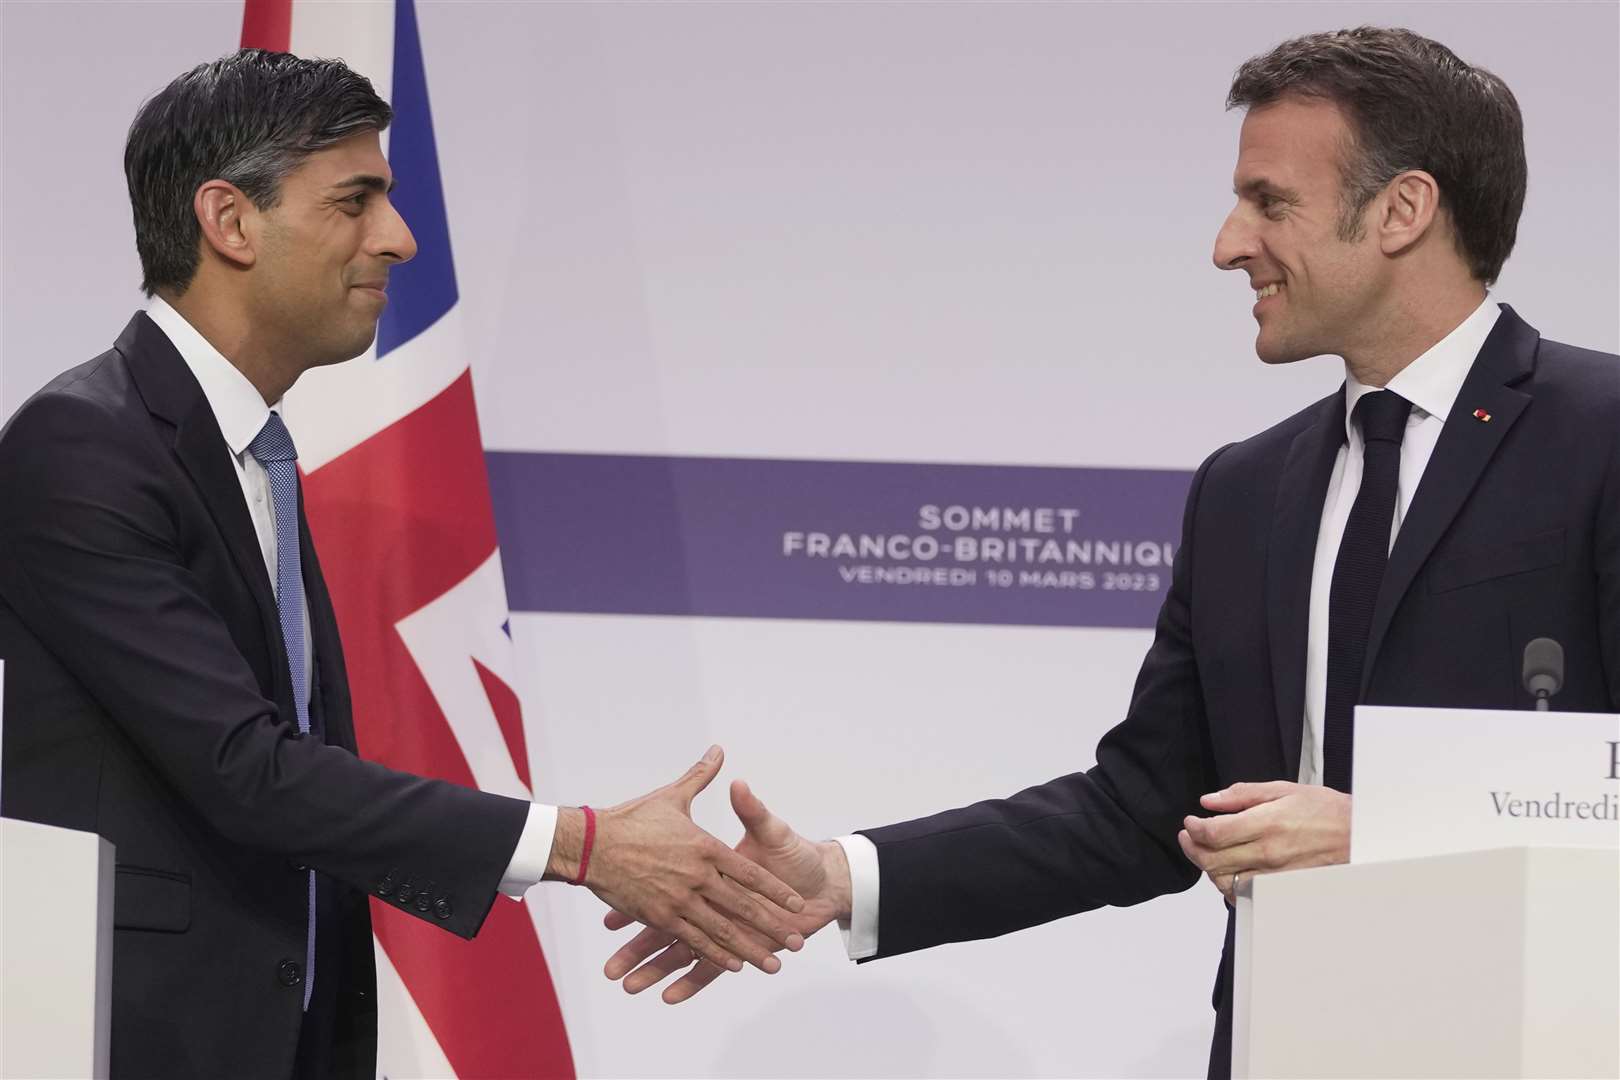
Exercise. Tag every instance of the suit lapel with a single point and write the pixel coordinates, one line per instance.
(1466, 446)
(1290, 558)
(171, 393)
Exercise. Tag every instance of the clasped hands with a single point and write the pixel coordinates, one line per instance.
(1257, 828)
(651, 862)
(819, 873)
(1262, 828)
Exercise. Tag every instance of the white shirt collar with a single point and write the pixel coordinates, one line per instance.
(237, 406)
(1433, 381)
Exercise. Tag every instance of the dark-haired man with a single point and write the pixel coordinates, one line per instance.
(1398, 542)
(174, 679)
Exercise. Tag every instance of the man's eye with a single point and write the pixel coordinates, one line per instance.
(357, 202)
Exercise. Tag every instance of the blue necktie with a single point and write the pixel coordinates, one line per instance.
(273, 448)
(1357, 573)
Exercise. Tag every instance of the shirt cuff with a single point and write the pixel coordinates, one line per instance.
(532, 853)
(861, 930)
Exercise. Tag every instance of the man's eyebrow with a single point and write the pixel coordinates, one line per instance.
(1259, 185)
(367, 181)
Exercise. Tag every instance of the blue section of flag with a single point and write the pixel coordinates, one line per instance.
(422, 290)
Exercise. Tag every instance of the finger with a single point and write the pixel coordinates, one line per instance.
(1215, 860)
(748, 911)
(675, 958)
(762, 825)
(731, 941)
(700, 938)
(690, 983)
(755, 878)
(635, 951)
(698, 776)
(1243, 796)
(1228, 829)
(617, 920)
(1229, 860)
(1196, 854)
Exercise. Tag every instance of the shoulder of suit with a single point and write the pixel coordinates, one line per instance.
(83, 395)
(1583, 371)
(96, 378)
(1270, 447)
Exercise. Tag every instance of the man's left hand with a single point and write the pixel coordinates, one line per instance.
(1262, 828)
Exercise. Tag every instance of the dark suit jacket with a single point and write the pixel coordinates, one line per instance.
(148, 699)
(1513, 534)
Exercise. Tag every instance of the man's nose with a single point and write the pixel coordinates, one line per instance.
(394, 238)
(1234, 244)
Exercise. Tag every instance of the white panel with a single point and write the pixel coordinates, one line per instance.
(1431, 781)
(56, 917)
(1482, 964)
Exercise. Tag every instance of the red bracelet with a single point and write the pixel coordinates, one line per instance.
(585, 849)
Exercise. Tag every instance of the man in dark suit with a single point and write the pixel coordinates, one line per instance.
(1399, 542)
(174, 678)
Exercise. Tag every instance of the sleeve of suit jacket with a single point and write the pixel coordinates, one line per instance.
(1607, 561)
(1106, 836)
(92, 560)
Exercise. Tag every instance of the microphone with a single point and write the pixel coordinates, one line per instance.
(1543, 670)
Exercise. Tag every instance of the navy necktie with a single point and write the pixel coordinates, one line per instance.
(1357, 573)
(273, 448)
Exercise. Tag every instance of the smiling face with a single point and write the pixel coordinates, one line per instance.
(324, 254)
(1316, 291)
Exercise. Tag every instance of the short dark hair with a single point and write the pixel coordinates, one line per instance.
(250, 119)
(1410, 104)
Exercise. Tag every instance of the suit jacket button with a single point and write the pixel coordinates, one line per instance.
(289, 973)
(385, 886)
(423, 903)
(406, 891)
(442, 909)
(297, 867)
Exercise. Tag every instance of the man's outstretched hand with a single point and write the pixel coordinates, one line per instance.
(819, 872)
(1261, 828)
(651, 862)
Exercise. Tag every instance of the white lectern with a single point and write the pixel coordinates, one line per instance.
(56, 940)
(1502, 963)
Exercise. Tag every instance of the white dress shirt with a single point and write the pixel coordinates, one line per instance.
(241, 413)
(1431, 383)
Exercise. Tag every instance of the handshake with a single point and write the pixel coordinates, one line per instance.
(701, 902)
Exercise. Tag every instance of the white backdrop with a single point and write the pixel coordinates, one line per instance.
(972, 233)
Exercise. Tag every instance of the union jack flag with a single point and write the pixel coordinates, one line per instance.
(398, 501)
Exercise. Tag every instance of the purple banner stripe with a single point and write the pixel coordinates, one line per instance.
(763, 538)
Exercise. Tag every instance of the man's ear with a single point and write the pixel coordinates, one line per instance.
(1407, 211)
(226, 217)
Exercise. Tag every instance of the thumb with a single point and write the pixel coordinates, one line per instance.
(698, 776)
(764, 826)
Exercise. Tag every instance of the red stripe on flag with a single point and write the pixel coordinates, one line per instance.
(400, 520)
(267, 24)
(509, 715)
